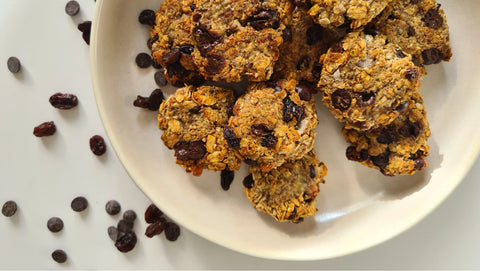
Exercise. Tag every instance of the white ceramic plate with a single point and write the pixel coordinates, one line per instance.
(357, 207)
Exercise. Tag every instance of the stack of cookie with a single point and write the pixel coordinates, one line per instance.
(365, 57)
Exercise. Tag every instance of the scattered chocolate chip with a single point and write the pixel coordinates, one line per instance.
(337, 47)
(151, 41)
(124, 226)
(411, 31)
(156, 65)
(156, 228)
(312, 172)
(112, 207)
(172, 231)
(264, 19)
(260, 129)
(160, 78)
(400, 53)
(206, 41)
(147, 17)
(72, 8)
(314, 34)
(215, 64)
(365, 98)
(433, 19)
(112, 233)
(231, 138)
(353, 155)
(248, 181)
(59, 256)
(13, 64)
(341, 99)
(85, 28)
(129, 215)
(304, 92)
(387, 136)
(126, 242)
(153, 214)
(63, 100)
(411, 73)
(381, 160)
(143, 60)
(79, 204)
(269, 141)
(9, 208)
(186, 49)
(45, 129)
(419, 164)
(97, 145)
(55, 224)
(287, 34)
(190, 150)
(226, 179)
(431, 56)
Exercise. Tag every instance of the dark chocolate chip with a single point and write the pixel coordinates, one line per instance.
(97, 145)
(387, 136)
(190, 150)
(411, 73)
(143, 60)
(172, 56)
(226, 179)
(126, 242)
(433, 19)
(13, 64)
(264, 19)
(9, 208)
(147, 17)
(59, 256)
(112, 207)
(260, 129)
(129, 215)
(402, 107)
(314, 34)
(55, 224)
(312, 172)
(269, 141)
(365, 98)
(112, 233)
(79, 204)
(160, 79)
(152, 41)
(431, 56)
(63, 100)
(172, 231)
(72, 8)
(371, 30)
(248, 181)
(381, 160)
(45, 129)
(155, 99)
(153, 214)
(186, 49)
(215, 64)
(231, 138)
(291, 110)
(124, 226)
(206, 41)
(354, 155)
(410, 129)
(341, 99)
(304, 92)
(156, 228)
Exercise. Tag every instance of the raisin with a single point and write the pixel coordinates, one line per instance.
(287, 34)
(59, 256)
(126, 242)
(402, 107)
(97, 145)
(411, 31)
(155, 99)
(387, 136)
(231, 138)
(13, 64)
(63, 100)
(250, 162)
(260, 130)
(186, 49)
(112, 207)
(365, 98)
(291, 110)
(400, 53)
(312, 172)
(85, 28)
(419, 164)
(411, 73)
(341, 99)
(147, 17)
(72, 8)
(156, 228)
(381, 160)
(314, 34)
(230, 110)
(226, 179)
(248, 181)
(264, 18)
(79, 204)
(55, 224)
(269, 141)
(185, 150)
(304, 92)
(317, 69)
(9, 208)
(337, 47)
(433, 19)
(411, 129)
(172, 231)
(303, 63)
(195, 109)
(153, 214)
(45, 129)
(215, 64)
(172, 56)
(143, 60)
(353, 155)
(151, 41)
(431, 56)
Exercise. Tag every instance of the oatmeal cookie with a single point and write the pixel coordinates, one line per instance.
(418, 27)
(364, 80)
(399, 148)
(237, 39)
(273, 122)
(171, 42)
(288, 192)
(354, 13)
(192, 121)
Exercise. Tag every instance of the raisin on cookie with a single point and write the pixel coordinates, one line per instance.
(364, 80)
(399, 148)
(287, 192)
(273, 122)
(192, 121)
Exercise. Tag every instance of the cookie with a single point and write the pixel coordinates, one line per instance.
(238, 39)
(171, 42)
(364, 80)
(399, 148)
(192, 121)
(353, 13)
(304, 43)
(288, 192)
(273, 122)
(419, 27)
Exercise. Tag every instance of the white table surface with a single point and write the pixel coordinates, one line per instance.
(43, 175)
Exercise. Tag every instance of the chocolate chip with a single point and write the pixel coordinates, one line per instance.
(156, 228)
(143, 60)
(97, 145)
(186, 49)
(112, 207)
(85, 28)
(59, 256)
(264, 19)
(55, 224)
(399, 53)
(13, 64)
(411, 129)
(248, 181)
(365, 98)
(72, 8)
(124, 226)
(304, 92)
(269, 141)
(153, 214)
(147, 17)
(402, 107)
(387, 136)
(195, 109)
(337, 47)
(314, 34)
(303, 63)
(231, 138)
(287, 34)
(126, 242)
(341, 99)
(9, 208)
(215, 64)
(63, 100)
(431, 56)
(206, 41)
(172, 56)
(291, 110)
(419, 164)
(45, 129)
(260, 129)
(410, 31)
(250, 162)
(371, 30)
(186, 150)
(312, 172)
(226, 179)
(112, 233)
(172, 231)
(433, 19)
(79, 204)
(411, 73)
(160, 79)
(152, 41)
(354, 155)
(381, 160)
(156, 65)
(129, 215)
